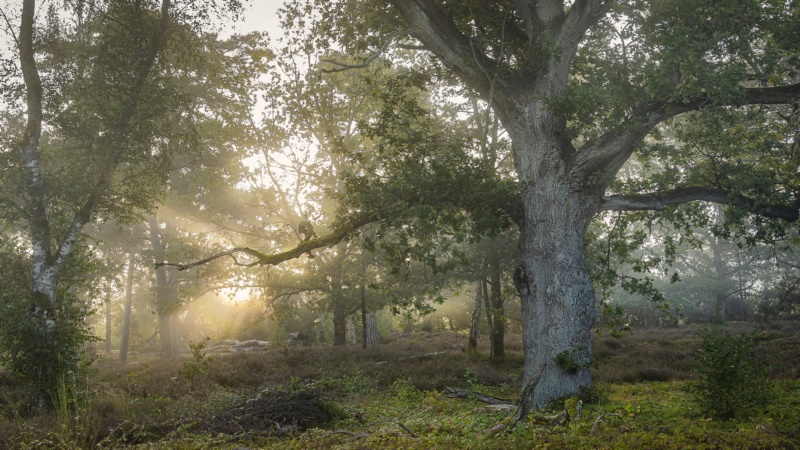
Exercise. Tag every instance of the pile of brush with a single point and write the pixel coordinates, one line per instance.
(274, 411)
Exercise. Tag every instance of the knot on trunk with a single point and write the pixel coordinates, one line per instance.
(521, 280)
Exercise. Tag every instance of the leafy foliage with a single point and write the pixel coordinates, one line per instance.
(40, 349)
(731, 377)
(198, 363)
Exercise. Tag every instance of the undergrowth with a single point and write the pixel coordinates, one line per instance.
(392, 397)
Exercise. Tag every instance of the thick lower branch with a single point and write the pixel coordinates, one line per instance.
(658, 201)
(607, 154)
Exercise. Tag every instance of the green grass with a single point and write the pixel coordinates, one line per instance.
(390, 397)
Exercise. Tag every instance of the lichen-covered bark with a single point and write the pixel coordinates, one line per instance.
(558, 301)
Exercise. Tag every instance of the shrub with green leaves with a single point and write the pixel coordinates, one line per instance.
(198, 364)
(732, 379)
(40, 350)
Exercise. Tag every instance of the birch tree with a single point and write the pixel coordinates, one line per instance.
(101, 89)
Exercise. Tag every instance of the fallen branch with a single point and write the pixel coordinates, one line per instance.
(556, 419)
(600, 420)
(413, 435)
(452, 392)
(506, 407)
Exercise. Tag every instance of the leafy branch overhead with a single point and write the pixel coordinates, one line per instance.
(262, 259)
(660, 200)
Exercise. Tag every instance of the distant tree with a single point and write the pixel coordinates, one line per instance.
(125, 332)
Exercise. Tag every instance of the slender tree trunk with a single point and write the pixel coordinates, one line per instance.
(125, 335)
(474, 326)
(339, 317)
(720, 294)
(741, 282)
(108, 318)
(351, 332)
(487, 305)
(498, 311)
(372, 329)
(363, 316)
(166, 293)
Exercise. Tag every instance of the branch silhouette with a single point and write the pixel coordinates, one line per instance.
(263, 259)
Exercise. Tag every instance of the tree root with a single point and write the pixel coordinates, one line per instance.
(522, 405)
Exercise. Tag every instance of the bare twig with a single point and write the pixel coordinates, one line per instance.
(599, 420)
(10, 27)
(413, 435)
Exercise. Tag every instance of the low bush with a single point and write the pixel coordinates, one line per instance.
(732, 379)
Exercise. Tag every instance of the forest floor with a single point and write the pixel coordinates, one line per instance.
(394, 395)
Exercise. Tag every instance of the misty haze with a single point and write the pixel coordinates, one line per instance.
(399, 224)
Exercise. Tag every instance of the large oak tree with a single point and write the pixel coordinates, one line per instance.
(527, 59)
(581, 87)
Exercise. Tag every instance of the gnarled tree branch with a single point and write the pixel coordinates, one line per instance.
(263, 259)
(341, 67)
(658, 201)
(606, 155)
(440, 35)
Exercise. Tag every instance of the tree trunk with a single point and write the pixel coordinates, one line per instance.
(720, 294)
(337, 300)
(166, 294)
(372, 329)
(165, 335)
(108, 318)
(558, 307)
(351, 332)
(498, 312)
(558, 300)
(474, 326)
(363, 316)
(126, 315)
(488, 306)
(177, 332)
(740, 274)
